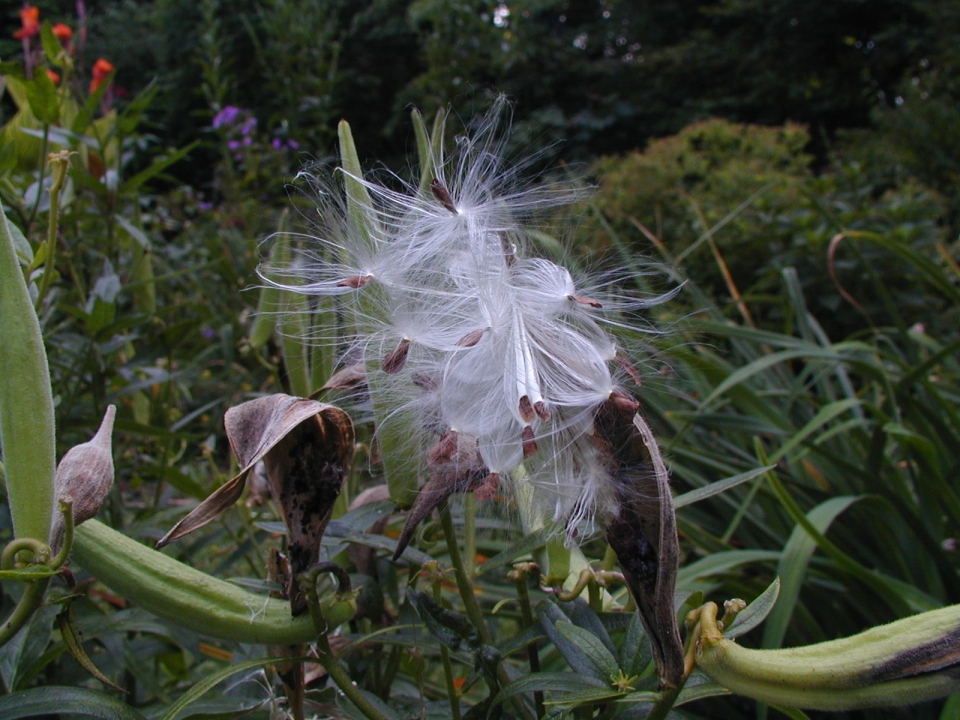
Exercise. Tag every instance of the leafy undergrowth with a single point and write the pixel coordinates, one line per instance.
(827, 462)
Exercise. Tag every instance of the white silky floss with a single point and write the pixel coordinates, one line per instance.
(474, 335)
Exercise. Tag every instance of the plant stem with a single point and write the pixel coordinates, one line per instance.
(28, 605)
(341, 677)
(469, 598)
(464, 583)
(445, 658)
(669, 696)
(470, 532)
(59, 161)
(43, 167)
(520, 574)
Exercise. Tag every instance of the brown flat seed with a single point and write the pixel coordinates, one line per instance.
(624, 403)
(424, 382)
(443, 195)
(526, 409)
(529, 444)
(585, 301)
(471, 338)
(629, 369)
(394, 362)
(488, 488)
(541, 410)
(355, 282)
(445, 448)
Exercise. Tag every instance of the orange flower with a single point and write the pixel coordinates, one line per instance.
(30, 19)
(53, 76)
(63, 33)
(101, 69)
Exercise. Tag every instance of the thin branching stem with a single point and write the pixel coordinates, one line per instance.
(28, 605)
(445, 658)
(469, 598)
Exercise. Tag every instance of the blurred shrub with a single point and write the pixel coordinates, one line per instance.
(750, 190)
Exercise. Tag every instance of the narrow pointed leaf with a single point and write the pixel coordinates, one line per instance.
(52, 700)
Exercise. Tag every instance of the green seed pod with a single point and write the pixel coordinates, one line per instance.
(26, 403)
(193, 599)
(907, 661)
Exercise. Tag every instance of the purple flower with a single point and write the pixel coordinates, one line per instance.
(276, 144)
(249, 126)
(247, 140)
(227, 116)
(233, 144)
(293, 144)
(208, 332)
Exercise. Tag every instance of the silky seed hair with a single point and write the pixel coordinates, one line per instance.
(469, 331)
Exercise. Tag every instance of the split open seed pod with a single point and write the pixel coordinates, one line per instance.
(306, 447)
(644, 534)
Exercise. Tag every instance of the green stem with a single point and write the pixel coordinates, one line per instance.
(40, 552)
(469, 598)
(28, 605)
(60, 162)
(470, 532)
(464, 583)
(664, 703)
(66, 507)
(452, 692)
(669, 696)
(341, 677)
(519, 574)
(43, 167)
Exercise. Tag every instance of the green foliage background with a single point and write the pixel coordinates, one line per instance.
(731, 142)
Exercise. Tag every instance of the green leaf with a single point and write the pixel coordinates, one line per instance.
(83, 119)
(634, 652)
(54, 700)
(755, 613)
(157, 167)
(42, 96)
(741, 375)
(548, 682)
(73, 641)
(208, 682)
(51, 46)
(580, 697)
(133, 231)
(721, 562)
(715, 488)
(700, 691)
(827, 413)
(792, 713)
(130, 117)
(525, 546)
(22, 245)
(31, 572)
(793, 567)
(551, 616)
(592, 647)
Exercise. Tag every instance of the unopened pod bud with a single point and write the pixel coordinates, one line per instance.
(907, 661)
(85, 476)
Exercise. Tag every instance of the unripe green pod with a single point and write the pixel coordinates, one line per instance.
(193, 599)
(26, 402)
(907, 661)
